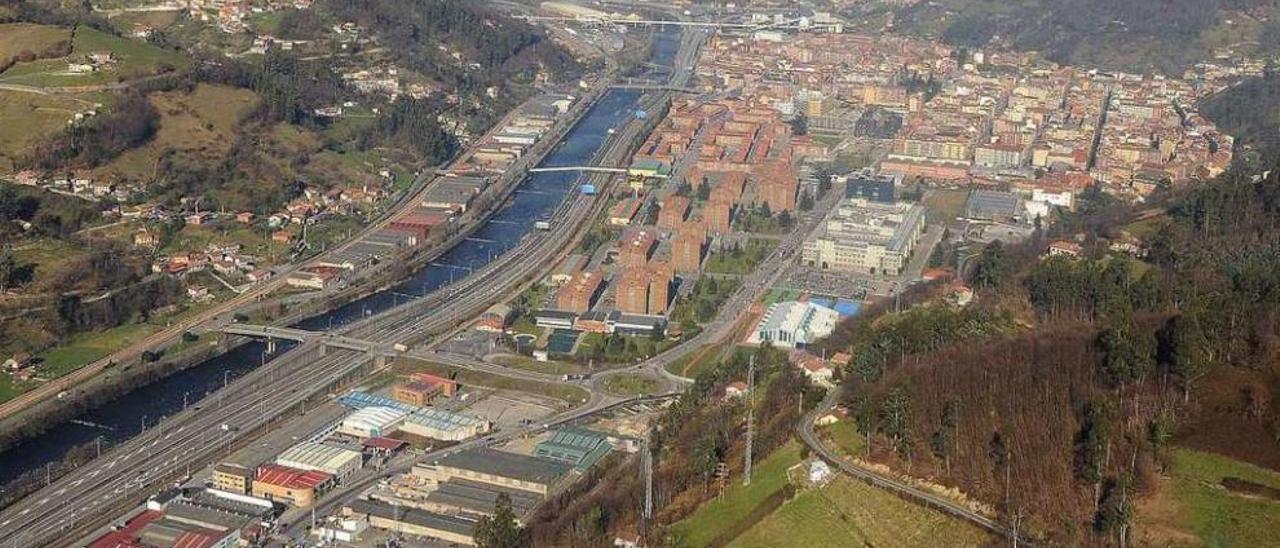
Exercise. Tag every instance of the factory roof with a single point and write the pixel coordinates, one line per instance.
(415, 516)
(481, 497)
(443, 420)
(374, 418)
(292, 478)
(360, 400)
(507, 465)
(310, 455)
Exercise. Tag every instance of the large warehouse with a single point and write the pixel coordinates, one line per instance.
(320, 457)
(484, 465)
(794, 324)
(371, 422)
(443, 425)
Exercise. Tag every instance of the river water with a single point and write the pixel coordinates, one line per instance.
(536, 197)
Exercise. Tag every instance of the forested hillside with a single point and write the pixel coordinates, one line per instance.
(1250, 112)
(1088, 371)
(1137, 35)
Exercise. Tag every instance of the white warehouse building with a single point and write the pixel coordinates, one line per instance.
(794, 324)
(443, 425)
(310, 455)
(371, 422)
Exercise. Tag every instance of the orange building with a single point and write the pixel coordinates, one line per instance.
(635, 248)
(632, 294)
(778, 186)
(718, 214)
(674, 210)
(686, 247)
(660, 275)
(580, 293)
(290, 485)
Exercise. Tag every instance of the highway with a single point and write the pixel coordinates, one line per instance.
(166, 449)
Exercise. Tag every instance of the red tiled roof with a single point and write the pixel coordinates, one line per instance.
(127, 536)
(382, 443)
(196, 539)
(291, 478)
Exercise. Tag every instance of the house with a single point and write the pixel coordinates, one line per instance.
(145, 238)
(282, 236)
(813, 367)
(1064, 248)
(735, 389)
(245, 217)
(199, 218)
(199, 293)
(21, 360)
(494, 320)
(259, 275)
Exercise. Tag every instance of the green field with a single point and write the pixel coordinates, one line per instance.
(944, 205)
(845, 436)
(10, 388)
(723, 514)
(1192, 506)
(571, 395)
(84, 348)
(631, 384)
(529, 364)
(30, 117)
(847, 512)
(133, 59)
(18, 37)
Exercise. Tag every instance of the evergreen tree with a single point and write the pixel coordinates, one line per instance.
(501, 529)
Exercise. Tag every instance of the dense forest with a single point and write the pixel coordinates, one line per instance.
(1055, 397)
(1138, 35)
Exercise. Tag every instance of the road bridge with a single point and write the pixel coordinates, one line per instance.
(649, 86)
(301, 335)
(586, 169)
(789, 24)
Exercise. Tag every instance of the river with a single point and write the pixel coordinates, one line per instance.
(536, 197)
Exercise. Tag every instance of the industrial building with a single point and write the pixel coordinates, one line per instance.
(578, 447)
(794, 324)
(871, 186)
(422, 388)
(459, 496)
(413, 521)
(991, 205)
(310, 455)
(371, 422)
(867, 237)
(290, 485)
(493, 467)
(232, 477)
(443, 425)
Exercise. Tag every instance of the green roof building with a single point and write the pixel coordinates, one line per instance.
(579, 447)
(647, 168)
